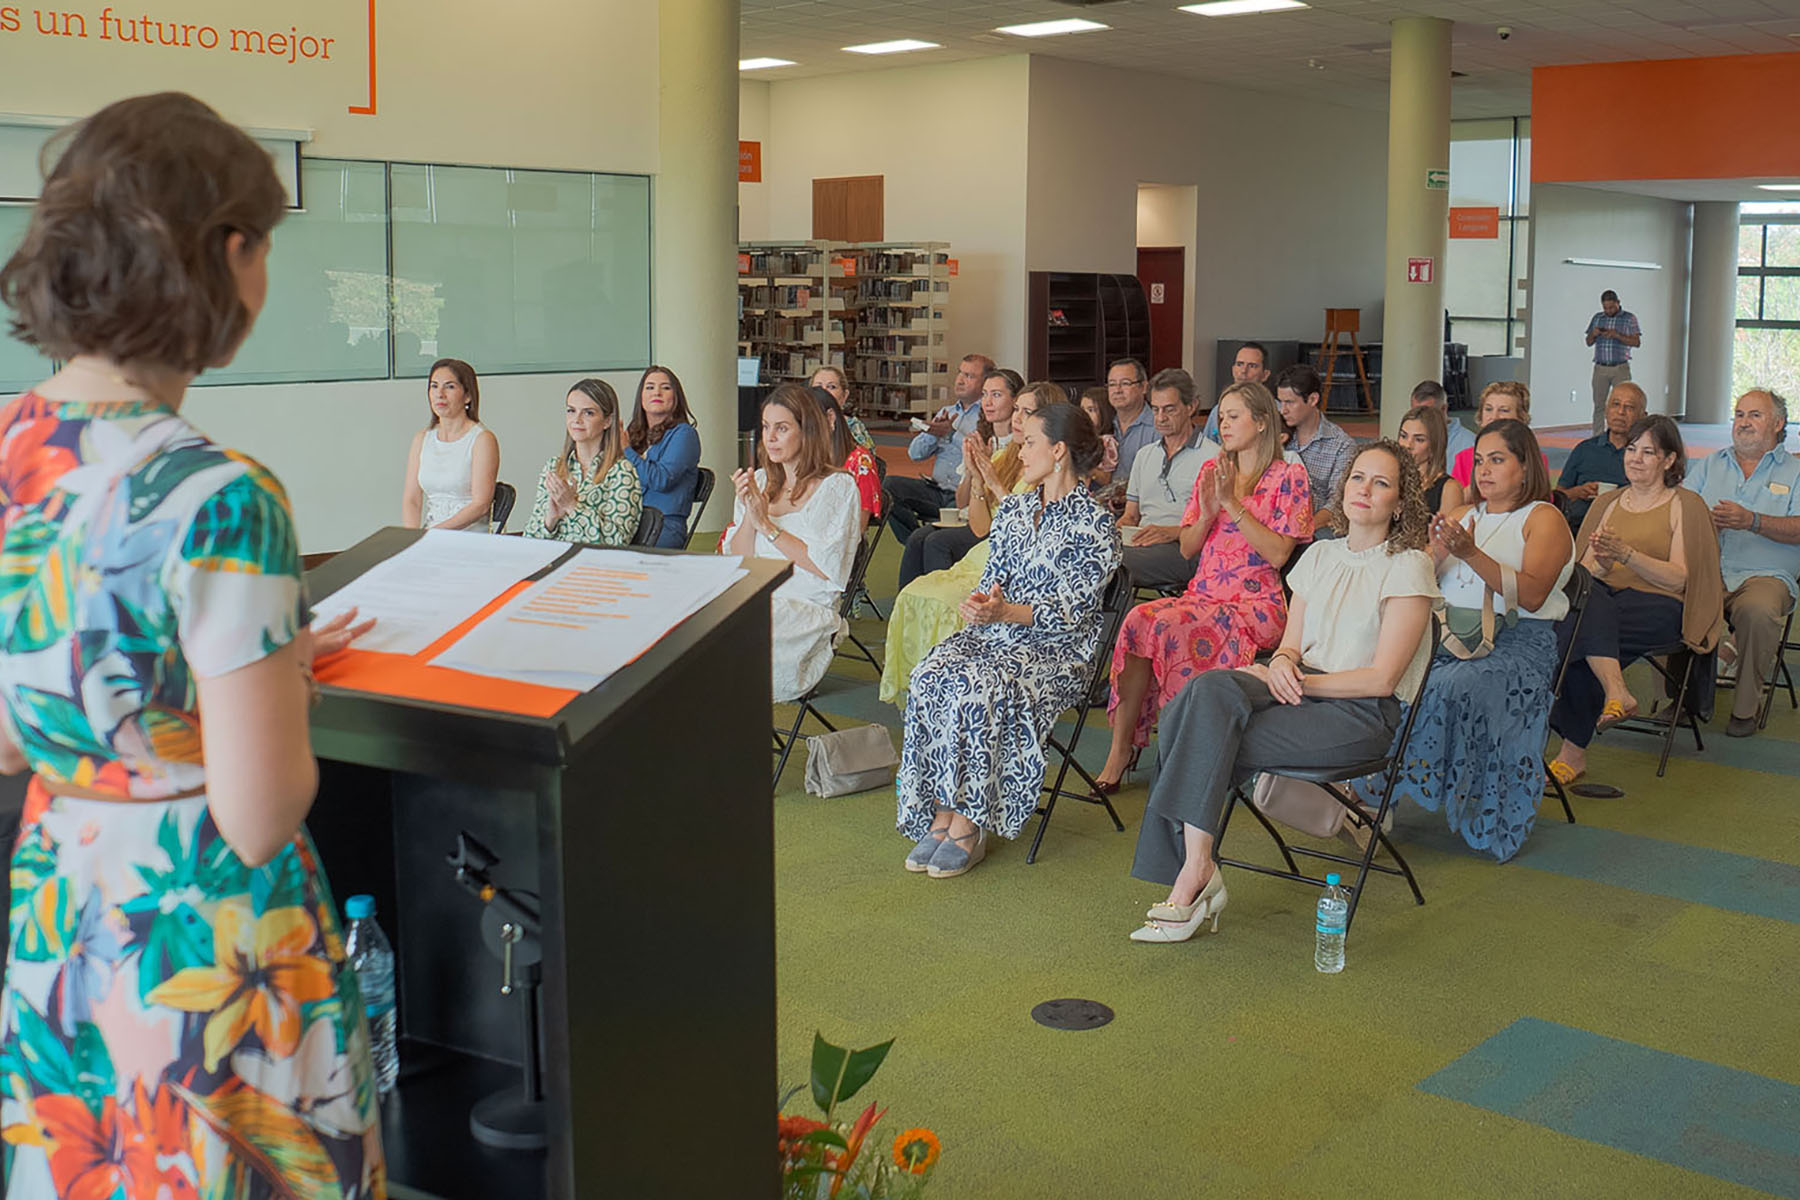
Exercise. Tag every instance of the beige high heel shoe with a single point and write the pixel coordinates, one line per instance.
(1208, 904)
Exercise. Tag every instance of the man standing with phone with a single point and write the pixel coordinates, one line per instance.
(910, 500)
(1613, 333)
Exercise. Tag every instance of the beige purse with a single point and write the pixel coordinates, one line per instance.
(1469, 634)
(1298, 804)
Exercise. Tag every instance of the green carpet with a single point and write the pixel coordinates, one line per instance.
(1233, 1067)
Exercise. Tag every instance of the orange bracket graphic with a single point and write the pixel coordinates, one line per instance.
(368, 110)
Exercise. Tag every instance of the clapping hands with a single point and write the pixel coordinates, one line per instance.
(984, 608)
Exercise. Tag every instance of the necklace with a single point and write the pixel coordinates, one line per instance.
(1625, 501)
(124, 380)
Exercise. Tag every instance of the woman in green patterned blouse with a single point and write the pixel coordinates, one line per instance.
(590, 492)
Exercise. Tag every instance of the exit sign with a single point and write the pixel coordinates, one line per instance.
(1420, 270)
(1437, 179)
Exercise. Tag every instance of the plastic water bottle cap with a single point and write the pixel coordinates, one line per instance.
(358, 907)
(1330, 881)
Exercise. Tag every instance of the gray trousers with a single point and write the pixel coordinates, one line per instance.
(1604, 379)
(1224, 727)
(1159, 566)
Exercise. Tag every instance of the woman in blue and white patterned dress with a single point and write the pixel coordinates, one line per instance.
(979, 705)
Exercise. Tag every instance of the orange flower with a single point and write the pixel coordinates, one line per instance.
(92, 1157)
(788, 1134)
(915, 1150)
(262, 974)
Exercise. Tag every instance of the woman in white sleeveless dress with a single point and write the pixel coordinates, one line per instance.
(454, 461)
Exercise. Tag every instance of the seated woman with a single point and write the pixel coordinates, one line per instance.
(1249, 509)
(937, 547)
(1100, 411)
(982, 701)
(664, 446)
(858, 462)
(1502, 400)
(1655, 559)
(929, 609)
(799, 507)
(1355, 647)
(1477, 747)
(455, 460)
(1423, 433)
(590, 492)
(834, 381)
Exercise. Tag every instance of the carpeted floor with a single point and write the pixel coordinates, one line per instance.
(1613, 1013)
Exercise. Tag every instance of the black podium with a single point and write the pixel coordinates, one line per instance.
(639, 814)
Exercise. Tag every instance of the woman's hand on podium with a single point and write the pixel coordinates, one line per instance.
(333, 636)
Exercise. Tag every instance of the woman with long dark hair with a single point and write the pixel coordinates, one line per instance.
(455, 460)
(663, 443)
(589, 492)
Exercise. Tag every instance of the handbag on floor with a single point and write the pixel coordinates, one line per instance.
(1297, 804)
(850, 760)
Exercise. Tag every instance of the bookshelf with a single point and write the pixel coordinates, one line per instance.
(1081, 322)
(789, 315)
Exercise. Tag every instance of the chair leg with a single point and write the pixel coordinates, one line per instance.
(1280, 842)
(785, 745)
(1676, 717)
(1055, 790)
(1561, 793)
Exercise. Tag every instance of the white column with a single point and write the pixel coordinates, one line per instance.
(1412, 328)
(1712, 312)
(694, 269)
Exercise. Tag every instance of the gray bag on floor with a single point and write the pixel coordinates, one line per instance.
(850, 760)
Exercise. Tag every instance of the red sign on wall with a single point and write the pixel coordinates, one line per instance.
(749, 162)
(1420, 270)
(1474, 222)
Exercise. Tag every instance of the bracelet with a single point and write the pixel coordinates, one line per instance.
(1285, 652)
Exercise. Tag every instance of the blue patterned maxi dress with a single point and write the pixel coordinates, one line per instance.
(979, 705)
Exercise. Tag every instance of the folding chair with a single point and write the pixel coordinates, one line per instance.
(703, 490)
(1115, 601)
(784, 741)
(862, 595)
(1331, 780)
(649, 527)
(501, 508)
(1577, 589)
(865, 551)
(1676, 666)
(1786, 678)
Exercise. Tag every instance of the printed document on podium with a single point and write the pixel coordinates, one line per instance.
(592, 615)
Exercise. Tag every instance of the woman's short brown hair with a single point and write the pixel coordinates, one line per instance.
(125, 255)
(1665, 435)
(1508, 387)
(1522, 444)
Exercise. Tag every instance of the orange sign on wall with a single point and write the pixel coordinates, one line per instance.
(955, 267)
(1474, 222)
(749, 162)
(743, 264)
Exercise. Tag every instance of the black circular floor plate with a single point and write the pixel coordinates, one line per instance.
(1597, 791)
(1072, 1014)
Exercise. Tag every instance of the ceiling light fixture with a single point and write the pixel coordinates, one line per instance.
(758, 64)
(894, 47)
(1235, 8)
(1050, 28)
(1779, 187)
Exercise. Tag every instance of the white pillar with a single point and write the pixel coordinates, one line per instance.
(1712, 311)
(694, 269)
(1412, 327)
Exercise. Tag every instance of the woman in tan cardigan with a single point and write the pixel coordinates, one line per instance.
(1655, 560)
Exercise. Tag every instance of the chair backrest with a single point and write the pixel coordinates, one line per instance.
(859, 566)
(649, 527)
(880, 467)
(504, 497)
(703, 490)
(1397, 756)
(1577, 589)
(1116, 599)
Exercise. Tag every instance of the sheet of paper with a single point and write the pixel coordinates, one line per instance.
(591, 616)
(433, 585)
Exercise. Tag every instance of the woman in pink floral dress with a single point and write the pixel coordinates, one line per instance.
(1250, 508)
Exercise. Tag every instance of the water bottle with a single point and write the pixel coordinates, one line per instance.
(373, 961)
(1334, 912)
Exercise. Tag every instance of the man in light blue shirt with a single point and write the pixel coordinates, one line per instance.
(1457, 438)
(1161, 484)
(1128, 391)
(911, 500)
(1753, 489)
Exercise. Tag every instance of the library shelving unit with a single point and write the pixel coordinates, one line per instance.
(789, 315)
(1081, 322)
(897, 298)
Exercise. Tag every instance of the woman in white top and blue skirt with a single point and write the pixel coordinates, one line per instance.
(454, 461)
(1477, 749)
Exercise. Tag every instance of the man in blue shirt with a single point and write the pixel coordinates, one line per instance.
(1600, 460)
(910, 500)
(1429, 393)
(1249, 365)
(1612, 332)
(1128, 391)
(1753, 489)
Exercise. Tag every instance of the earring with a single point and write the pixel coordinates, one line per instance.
(466, 407)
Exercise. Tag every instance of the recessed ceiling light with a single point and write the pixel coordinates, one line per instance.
(1233, 8)
(1047, 28)
(894, 47)
(757, 64)
(1779, 187)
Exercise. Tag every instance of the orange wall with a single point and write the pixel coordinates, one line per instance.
(1683, 118)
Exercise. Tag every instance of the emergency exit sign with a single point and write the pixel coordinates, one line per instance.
(1420, 270)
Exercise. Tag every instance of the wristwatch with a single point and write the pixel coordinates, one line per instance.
(1755, 522)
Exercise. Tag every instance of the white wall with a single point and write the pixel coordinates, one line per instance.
(1577, 222)
(949, 142)
(753, 126)
(1169, 216)
(1291, 203)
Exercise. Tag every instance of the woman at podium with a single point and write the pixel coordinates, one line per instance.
(178, 1014)
(798, 506)
(978, 707)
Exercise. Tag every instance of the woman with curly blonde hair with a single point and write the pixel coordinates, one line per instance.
(1354, 649)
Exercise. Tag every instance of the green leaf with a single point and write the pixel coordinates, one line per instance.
(94, 1079)
(826, 1137)
(39, 1054)
(838, 1074)
(782, 1103)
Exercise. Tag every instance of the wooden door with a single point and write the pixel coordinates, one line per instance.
(1163, 272)
(849, 209)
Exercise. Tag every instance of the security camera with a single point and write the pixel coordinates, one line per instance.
(1505, 31)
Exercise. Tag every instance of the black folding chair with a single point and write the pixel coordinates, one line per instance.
(501, 508)
(1780, 677)
(859, 569)
(862, 595)
(703, 490)
(1115, 601)
(1579, 587)
(649, 527)
(1332, 779)
(786, 739)
(1676, 665)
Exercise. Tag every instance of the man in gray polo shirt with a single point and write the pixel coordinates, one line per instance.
(1161, 482)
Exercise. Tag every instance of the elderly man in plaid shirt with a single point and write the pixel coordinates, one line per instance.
(1612, 332)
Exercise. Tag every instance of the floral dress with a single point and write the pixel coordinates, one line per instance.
(606, 510)
(174, 1024)
(1232, 608)
(979, 706)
